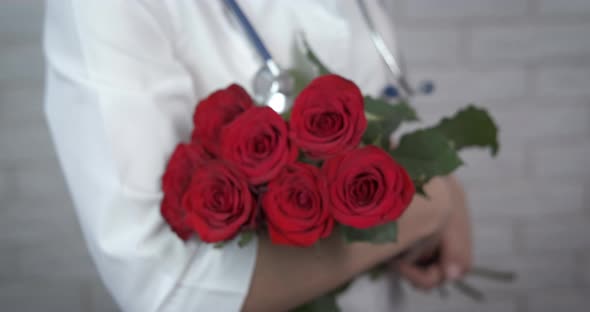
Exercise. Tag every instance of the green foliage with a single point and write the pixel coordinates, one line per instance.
(219, 245)
(378, 270)
(426, 154)
(375, 134)
(312, 57)
(325, 303)
(471, 127)
(384, 119)
(382, 110)
(386, 233)
(246, 238)
(300, 79)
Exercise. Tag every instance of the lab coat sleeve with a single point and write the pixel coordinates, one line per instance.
(117, 102)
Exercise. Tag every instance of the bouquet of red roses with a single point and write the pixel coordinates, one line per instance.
(248, 169)
(326, 165)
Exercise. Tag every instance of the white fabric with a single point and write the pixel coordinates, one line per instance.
(123, 78)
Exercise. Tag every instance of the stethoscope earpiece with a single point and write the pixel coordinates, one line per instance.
(426, 87)
(391, 92)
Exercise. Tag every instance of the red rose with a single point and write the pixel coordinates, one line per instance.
(216, 111)
(295, 207)
(175, 181)
(328, 117)
(257, 143)
(367, 187)
(218, 201)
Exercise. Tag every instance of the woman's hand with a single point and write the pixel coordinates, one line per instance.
(446, 257)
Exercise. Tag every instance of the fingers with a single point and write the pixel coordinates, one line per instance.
(456, 252)
(422, 278)
(456, 244)
(455, 262)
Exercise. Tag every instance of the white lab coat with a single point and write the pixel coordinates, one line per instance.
(123, 78)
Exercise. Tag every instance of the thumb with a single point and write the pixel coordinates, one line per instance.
(455, 258)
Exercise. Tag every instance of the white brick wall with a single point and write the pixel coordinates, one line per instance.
(536, 271)
(570, 300)
(563, 81)
(458, 85)
(456, 302)
(570, 159)
(441, 46)
(42, 295)
(565, 7)
(527, 61)
(565, 234)
(521, 198)
(457, 9)
(529, 43)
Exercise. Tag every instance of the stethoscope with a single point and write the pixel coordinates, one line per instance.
(274, 86)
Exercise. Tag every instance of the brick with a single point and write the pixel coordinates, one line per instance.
(535, 272)
(67, 259)
(480, 165)
(557, 234)
(562, 81)
(417, 301)
(551, 300)
(543, 101)
(585, 268)
(21, 19)
(37, 220)
(8, 263)
(22, 147)
(455, 87)
(40, 295)
(530, 43)
(458, 9)
(491, 238)
(430, 46)
(22, 63)
(560, 159)
(21, 106)
(525, 198)
(520, 124)
(569, 7)
(40, 182)
(6, 185)
(101, 300)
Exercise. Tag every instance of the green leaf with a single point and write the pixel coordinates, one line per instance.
(385, 233)
(420, 190)
(384, 119)
(325, 303)
(246, 238)
(471, 127)
(378, 270)
(374, 133)
(342, 288)
(300, 80)
(286, 115)
(219, 245)
(425, 154)
(312, 57)
(391, 113)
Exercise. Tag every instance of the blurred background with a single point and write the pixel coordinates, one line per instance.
(527, 61)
